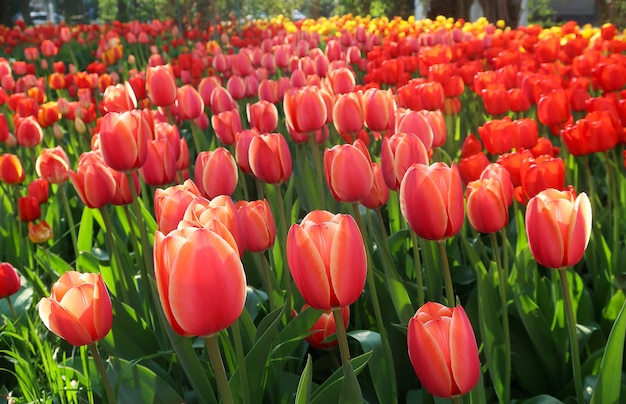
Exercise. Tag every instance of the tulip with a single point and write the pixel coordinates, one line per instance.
(215, 173)
(263, 115)
(190, 103)
(553, 108)
(11, 170)
(542, 173)
(379, 194)
(226, 125)
(122, 194)
(348, 171)
(471, 167)
(9, 280)
(305, 109)
(28, 132)
(39, 190)
(348, 114)
(398, 152)
(558, 226)
(161, 85)
(325, 328)
(93, 181)
(159, 167)
(326, 257)
(415, 122)
(119, 98)
(270, 158)
(171, 203)
(40, 232)
(242, 147)
(442, 349)
(487, 209)
(29, 208)
(495, 170)
(200, 280)
(221, 100)
(236, 87)
(124, 140)
(258, 223)
(379, 109)
(431, 200)
(79, 308)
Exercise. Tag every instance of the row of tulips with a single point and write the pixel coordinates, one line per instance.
(285, 140)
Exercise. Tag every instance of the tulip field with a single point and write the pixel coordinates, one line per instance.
(349, 209)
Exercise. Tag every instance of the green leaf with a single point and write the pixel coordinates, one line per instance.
(130, 336)
(329, 391)
(542, 399)
(21, 300)
(612, 310)
(84, 240)
(609, 378)
(371, 342)
(134, 383)
(303, 394)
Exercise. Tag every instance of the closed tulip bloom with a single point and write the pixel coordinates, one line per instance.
(399, 152)
(206, 87)
(39, 189)
(236, 86)
(9, 280)
(200, 280)
(244, 138)
(159, 167)
(558, 226)
(348, 171)
(513, 164)
(348, 114)
(29, 208)
(379, 194)
(442, 348)
(542, 173)
(495, 170)
(93, 181)
(11, 170)
(161, 85)
(258, 223)
(431, 200)
(496, 99)
(124, 140)
(379, 109)
(305, 109)
(216, 173)
(553, 108)
(415, 122)
(270, 158)
(171, 203)
(28, 132)
(119, 98)
(222, 100)
(263, 115)
(324, 328)
(190, 103)
(226, 125)
(342, 80)
(79, 308)
(326, 257)
(487, 209)
(471, 167)
(40, 232)
(122, 194)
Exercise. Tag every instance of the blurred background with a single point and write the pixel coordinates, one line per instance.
(513, 12)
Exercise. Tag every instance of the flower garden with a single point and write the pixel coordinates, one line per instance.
(337, 210)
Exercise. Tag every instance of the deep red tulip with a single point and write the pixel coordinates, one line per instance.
(79, 308)
(39, 189)
(553, 108)
(29, 208)
(471, 167)
(443, 351)
(9, 280)
(558, 227)
(326, 257)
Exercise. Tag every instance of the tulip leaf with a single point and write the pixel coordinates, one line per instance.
(382, 377)
(329, 391)
(85, 231)
(130, 337)
(542, 399)
(612, 310)
(608, 385)
(21, 300)
(303, 394)
(134, 383)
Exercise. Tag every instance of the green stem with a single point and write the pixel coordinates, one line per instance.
(147, 269)
(268, 280)
(283, 246)
(70, 219)
(503, 280)
(215, 356)
(121, 281)
(447, 277)
(319, 168)
(241, 359)
(418, 268)
(571, 327)
(103, 373)
(613, 207)
(10, 303)
(457, 399)
(350, 389)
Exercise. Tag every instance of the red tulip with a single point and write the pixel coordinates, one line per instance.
(242, 147)
(326, 257)
(542, 173)
(11, 170)
(553, 108)
(348, 115)
(190, 103)
(431, 200)
(200, 280)
(379, 109)
(171, 203)
(93, 181)
(159, 167)
(9, 280)
(215, 173)
(257, 220)
(161, 85)
(325, 328)
(79, 308)
(270, 158)
(379, 194)
(443, 351)
(39, 189)
(28, 132)
(415, 122)
(471, 167)
(594, 133)
(29, 208)
(487, 208)
(558, 226)
(348, 171)
(119, 98)
(305, 109)
(124, 140)
(262, 115)
(397, 154)
(226, 125)
(496, 99)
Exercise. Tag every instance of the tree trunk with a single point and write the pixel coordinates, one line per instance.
(25, 9)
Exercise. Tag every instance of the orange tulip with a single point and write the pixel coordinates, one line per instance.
(93, 181)
(431, 200)
(257, 220)
(124, 140)
(79, 308)
(200, 280)
(348, 171)
(487, 209)
(558, 226)
(270, 158)
(9, 280)
(216, 173)
(11, 170)
(40, 232)
(326, 257)
(442, 348)
(325, 328)
(305, 109)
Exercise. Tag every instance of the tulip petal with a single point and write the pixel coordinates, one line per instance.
(579, 230)
(207, 288)
(544, 235)
(348, 265)
(463, 352)
(162, 266)
(307, 268)
(102, 311)
(424, 206)
(63, 323)
(428, 360)
(78, 301)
